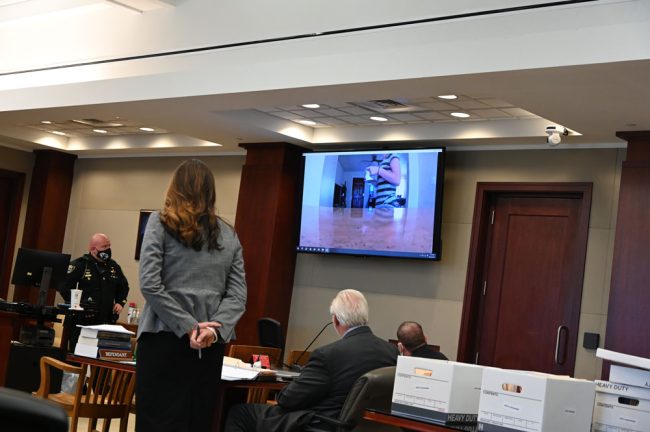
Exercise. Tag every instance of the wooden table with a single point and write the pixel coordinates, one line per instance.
(414, 425)
(229, 393)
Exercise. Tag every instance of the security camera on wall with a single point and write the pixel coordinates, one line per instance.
(555, 134)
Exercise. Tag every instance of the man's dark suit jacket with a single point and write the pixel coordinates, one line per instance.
(426, 351)
(329, 375)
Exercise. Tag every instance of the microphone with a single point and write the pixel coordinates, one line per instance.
(296, 364)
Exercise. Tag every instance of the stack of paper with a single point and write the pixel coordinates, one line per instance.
(235, 370)
(234, 373)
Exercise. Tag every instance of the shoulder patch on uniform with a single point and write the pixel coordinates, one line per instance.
(71, 268)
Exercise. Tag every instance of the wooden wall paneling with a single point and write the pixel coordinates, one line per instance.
(629, 296)
(267, 224)
(16, 184)
(8, 323)
(47, 209)
(475, 266)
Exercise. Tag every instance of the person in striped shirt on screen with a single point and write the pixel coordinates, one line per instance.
(388, 175)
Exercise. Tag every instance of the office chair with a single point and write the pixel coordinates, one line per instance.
(270, 333)
(374, 389)
(20, 411)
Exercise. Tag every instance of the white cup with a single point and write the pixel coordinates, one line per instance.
(75, 299)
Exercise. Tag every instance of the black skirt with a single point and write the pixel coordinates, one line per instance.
(175, 390)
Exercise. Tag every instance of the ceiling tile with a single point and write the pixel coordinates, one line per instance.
(267, 109)
(286, 115)
(290, 107)
(405, 117)
(333, 121)
(431, 115)
(358, 120)
(496, 103)
(490, 113)
(307, 113)
(469, 104)
(437, 106)
(355, 110)
(337, 105)
(332, 112)
(519, 113)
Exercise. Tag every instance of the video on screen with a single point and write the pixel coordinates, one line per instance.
(372, 203)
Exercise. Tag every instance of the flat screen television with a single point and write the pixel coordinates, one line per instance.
(373, 203)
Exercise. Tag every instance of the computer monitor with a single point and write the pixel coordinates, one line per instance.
(41, 269)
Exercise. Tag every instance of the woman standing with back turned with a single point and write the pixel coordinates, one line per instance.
(192, 277)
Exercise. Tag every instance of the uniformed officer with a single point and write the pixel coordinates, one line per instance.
(100, 278)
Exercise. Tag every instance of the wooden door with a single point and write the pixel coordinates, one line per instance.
(11, 190)
(5, 207)
(358, 185)
(529, 281)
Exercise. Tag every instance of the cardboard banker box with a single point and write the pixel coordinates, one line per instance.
(621, 408)
(534, 402)
(630, 376)
(436, 391)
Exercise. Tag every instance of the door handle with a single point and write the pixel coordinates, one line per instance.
(557, 345)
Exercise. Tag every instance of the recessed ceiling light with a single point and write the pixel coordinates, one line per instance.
(378, 119)
(311, 106)
(46, 122)
(101, 131)
(147, 129)
(307, 122)
(448, 97)
(460, 114)
(58, 133)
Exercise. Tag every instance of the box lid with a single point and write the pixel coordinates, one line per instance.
(626, 359)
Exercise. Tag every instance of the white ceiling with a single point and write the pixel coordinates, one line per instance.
(213, 102)
(593, 100)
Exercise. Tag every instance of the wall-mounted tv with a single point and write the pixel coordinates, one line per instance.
(377, 203)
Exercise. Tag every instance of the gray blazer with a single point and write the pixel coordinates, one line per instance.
(183, 286)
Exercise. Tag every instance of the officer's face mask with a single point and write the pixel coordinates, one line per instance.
(104, 255)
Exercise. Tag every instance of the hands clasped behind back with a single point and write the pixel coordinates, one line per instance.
(205, 336)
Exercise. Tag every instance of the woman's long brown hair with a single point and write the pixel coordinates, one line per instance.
(189, 214)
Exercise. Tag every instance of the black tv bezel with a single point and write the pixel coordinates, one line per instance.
(436, 246)
(34, 260)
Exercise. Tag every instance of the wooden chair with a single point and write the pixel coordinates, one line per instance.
(297, 357)
(244, 353)
(108, 393)
(58, 331)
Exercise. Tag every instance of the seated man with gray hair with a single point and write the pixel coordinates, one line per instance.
(326, 379)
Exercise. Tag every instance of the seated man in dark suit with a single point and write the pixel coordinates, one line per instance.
(326, 379)
(412, 342)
